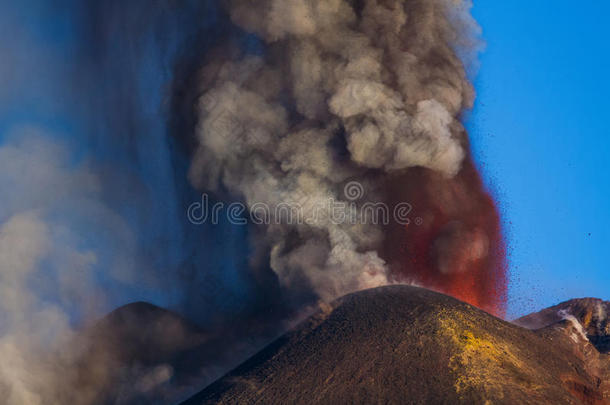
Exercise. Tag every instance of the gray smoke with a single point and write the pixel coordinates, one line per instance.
(345, 91)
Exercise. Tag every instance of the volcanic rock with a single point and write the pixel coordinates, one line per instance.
(590, 313)
(406, 345)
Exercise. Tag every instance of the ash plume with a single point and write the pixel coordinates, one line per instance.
(344, 91)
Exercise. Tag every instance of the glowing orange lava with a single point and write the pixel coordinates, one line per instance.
(454, 242)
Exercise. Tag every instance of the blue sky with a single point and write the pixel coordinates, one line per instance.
(540, 134)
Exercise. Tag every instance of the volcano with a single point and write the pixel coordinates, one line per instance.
(143, 354)
(403, 344)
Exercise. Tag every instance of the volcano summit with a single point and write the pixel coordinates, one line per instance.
(402, 344)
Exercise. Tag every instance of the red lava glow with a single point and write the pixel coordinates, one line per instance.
(453, 243)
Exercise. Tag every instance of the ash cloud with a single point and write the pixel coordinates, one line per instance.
(343, 91)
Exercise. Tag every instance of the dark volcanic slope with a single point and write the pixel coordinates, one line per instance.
(143, 354)
(591, 313)
(144, 333)
(130, 355)
(403, 344)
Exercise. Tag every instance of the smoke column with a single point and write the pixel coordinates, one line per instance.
(345, 91)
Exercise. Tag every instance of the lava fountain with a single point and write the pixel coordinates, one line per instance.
(453, 243)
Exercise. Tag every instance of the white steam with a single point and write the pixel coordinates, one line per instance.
(50, 208)
(577, 326)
